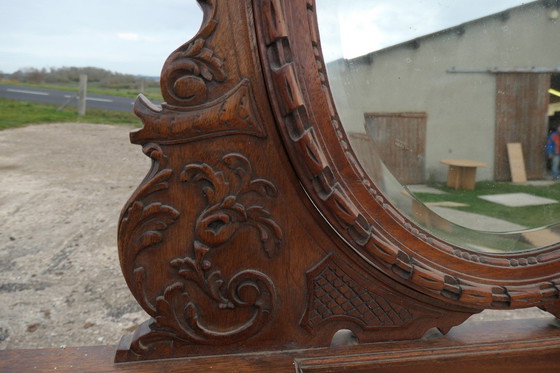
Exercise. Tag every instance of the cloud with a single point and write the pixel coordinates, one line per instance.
(128, 36)
(132, 36)
(349, 29)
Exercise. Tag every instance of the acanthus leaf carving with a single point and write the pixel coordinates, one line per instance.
(198, 270)
(143, 225)
(178, 319)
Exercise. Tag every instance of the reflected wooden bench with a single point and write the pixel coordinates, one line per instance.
(462, 173)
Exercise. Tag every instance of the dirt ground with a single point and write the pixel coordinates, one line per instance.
(61, 190)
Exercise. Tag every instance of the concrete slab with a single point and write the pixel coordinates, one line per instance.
(420, 188)
(476, 221)
(540, 182)
(518, 199)
(446, 204)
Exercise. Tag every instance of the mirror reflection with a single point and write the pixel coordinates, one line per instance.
(449, 106)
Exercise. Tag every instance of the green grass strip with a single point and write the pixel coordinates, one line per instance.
(153, 92)
(16, 113)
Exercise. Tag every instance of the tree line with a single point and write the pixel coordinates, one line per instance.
(67, 75)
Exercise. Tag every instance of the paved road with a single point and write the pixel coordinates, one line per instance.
(53, 96)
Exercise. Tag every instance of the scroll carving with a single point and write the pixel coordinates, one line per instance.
(189, 69)
(175, 266)
(189, 113)
(202, 239)
(235, 113)
(179, 320)
(142, 224)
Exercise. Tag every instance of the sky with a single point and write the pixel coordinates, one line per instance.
(136, 36)
(125, 36)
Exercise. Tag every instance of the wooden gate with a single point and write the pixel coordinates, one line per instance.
(521, 116)
(400, 141)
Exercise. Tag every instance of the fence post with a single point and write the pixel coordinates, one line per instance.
(82, 95)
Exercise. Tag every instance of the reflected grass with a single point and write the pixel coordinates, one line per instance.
(528, 216)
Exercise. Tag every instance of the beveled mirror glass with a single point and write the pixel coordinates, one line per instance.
(448, 106)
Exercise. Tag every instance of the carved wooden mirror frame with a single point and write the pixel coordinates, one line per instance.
(256, 228)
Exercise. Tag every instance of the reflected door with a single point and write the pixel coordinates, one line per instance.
(521, 116)
(400, 141)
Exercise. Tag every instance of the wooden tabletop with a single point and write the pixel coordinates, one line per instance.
(463, 163)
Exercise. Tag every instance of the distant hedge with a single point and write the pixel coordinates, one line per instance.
(65, 75)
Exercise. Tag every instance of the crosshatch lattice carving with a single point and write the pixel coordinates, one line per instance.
(335, 294)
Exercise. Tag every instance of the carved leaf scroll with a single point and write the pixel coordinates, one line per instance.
(142, 225)
(188, 70)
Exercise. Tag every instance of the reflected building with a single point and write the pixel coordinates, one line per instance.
(461, 93)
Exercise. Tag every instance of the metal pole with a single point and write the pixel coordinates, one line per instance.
(82, 95)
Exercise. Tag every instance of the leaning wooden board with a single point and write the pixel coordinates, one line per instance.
(516, 162)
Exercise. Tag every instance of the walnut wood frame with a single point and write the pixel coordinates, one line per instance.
(256, 228)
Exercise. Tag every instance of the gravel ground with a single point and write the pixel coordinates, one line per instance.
(61, 190)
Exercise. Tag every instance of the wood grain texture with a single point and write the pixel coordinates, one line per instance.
(498, 346)
(400, 140)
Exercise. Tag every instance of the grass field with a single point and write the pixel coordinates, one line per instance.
(15, 113)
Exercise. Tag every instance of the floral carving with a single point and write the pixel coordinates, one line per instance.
(226, 211)
(143, 225)
(178, 317)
